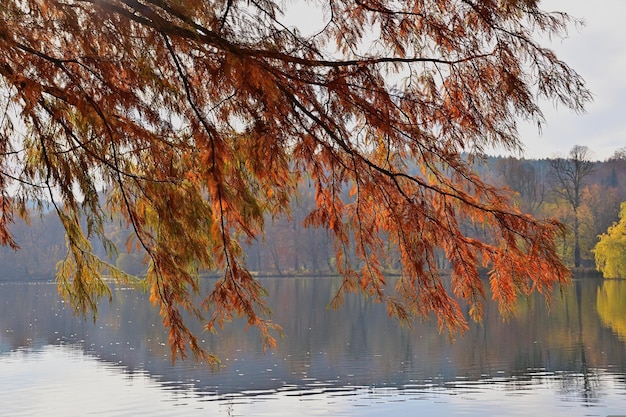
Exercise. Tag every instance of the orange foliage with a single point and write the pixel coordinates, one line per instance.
(200, 118)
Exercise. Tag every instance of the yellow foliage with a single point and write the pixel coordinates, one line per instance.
(610, 251)
(611, 306)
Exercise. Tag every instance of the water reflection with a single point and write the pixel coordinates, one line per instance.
(611, 302)
(355, 360)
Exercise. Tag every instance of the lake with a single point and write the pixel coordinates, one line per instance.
(569, 360)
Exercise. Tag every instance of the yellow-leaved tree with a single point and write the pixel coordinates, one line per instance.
(199, 117)
(610, 251)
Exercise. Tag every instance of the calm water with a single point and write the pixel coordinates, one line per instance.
(352, 362)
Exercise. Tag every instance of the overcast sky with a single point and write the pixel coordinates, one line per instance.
(597, 51)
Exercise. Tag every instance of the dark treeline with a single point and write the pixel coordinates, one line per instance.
(586, 200)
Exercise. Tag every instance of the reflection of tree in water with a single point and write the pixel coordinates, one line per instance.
(585, 385)
(586, 381)
(357, 345)
(611, 306)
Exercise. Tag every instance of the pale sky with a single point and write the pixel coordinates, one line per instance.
(596, 51)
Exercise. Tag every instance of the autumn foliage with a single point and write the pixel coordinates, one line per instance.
(200, 118)
(610, 251)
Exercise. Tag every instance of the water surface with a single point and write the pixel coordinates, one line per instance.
(570, 361)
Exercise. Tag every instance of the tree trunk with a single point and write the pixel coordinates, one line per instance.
(576, 240)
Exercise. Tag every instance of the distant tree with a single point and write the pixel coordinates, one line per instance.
(619, 155)
(570, 174)
(130, 263)
(603, 204)
(43, 246)
(610, 251)
(199, 118)
(526, 178)
(616, 177)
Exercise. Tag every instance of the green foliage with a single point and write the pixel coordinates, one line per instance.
(610, 252)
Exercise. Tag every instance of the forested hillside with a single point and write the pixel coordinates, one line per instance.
(289, 246)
